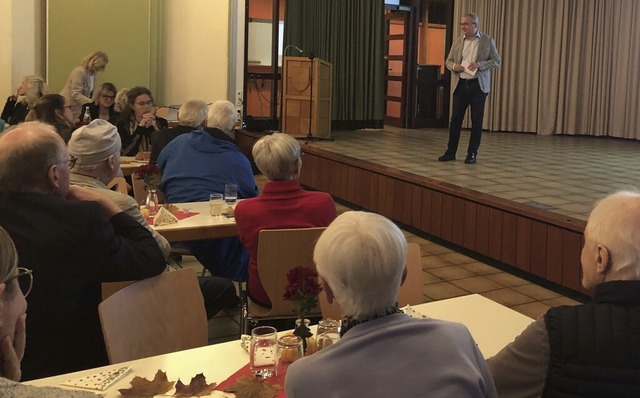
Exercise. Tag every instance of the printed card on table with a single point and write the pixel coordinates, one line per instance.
(100, 381)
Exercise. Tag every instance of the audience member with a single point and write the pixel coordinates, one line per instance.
(192, 115)
(97, 148)
(82, 79)
(589, 350)
(54, 110)
(282, 203)
(102, 106)
(195, 165)
(17, 106)
(74, 239)
(138, 121)
(15, 286)
(221, 120)
(361, 260)
(13, 307)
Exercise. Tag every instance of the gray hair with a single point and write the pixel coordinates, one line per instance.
(24, 167)
(193, 113)
(222, 115)
(362, 257)
(277, 156)
(474, 18)
(36, 88)
(615, 223)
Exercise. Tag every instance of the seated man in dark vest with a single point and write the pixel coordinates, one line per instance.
(589, 350)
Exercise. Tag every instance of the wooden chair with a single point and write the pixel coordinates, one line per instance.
(120, 185)
(140, 190)
(154, 316)
(279, 250)
(411, 292)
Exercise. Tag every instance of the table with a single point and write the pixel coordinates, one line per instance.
(491, 324)
(200, 226)
(129, 164)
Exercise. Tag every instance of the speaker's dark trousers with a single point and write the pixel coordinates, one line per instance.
(467, 93)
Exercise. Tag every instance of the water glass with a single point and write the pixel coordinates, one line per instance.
(328, 332)
(230, 193)
(262, 352)
(289, 351)
(215, 204)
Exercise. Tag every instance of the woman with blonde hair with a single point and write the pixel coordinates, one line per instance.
(17, 106)
(82, 80)
(103, 105)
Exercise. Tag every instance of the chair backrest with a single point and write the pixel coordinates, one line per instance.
(120, 185)
(279, 250)
(140, 189)
(154, 316)
(411, 292)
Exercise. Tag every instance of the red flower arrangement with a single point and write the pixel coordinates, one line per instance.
(148, 173)
(303, 289)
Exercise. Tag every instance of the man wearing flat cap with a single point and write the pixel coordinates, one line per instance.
(97, 149)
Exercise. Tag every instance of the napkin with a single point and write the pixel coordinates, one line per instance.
(164, 217)
(100, 381)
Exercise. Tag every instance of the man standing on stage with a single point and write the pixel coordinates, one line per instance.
(471, 58)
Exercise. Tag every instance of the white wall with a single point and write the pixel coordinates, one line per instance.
(22, 43)
(196, 50)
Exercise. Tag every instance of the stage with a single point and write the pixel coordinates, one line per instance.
(524, 204)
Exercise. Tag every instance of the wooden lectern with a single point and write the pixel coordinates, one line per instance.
(297, 89)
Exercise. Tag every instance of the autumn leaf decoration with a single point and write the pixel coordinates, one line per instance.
(303, 289)
(143, 388)
(197, 388)
(249, 387)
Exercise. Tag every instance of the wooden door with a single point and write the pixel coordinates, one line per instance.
(396, 54)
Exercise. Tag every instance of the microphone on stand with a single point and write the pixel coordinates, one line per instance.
(289, 46)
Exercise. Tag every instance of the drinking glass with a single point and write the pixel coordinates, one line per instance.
(215, 204)
(328, 332)
(262, 352)
(289, 351)
(230, 193)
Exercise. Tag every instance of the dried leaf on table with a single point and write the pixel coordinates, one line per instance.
(197, 388)
(250, 387)
(143, 388)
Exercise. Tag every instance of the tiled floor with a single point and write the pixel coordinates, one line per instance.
(563, 174)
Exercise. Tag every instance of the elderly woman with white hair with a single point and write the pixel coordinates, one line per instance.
(82, 79)
(361, 260)
(282, 203)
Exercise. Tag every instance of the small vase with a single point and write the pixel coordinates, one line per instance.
(152, 202)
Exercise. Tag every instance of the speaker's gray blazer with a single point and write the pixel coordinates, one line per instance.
(487, 57)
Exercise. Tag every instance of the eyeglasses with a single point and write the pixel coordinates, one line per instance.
(70, 162)
(25, 280)
(144, 103)
(68, 107)
(109, 97)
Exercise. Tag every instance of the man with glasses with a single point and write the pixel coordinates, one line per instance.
(470, 60)
(74, 239)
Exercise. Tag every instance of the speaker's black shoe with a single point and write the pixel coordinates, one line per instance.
(471, 159)
(447, 157)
